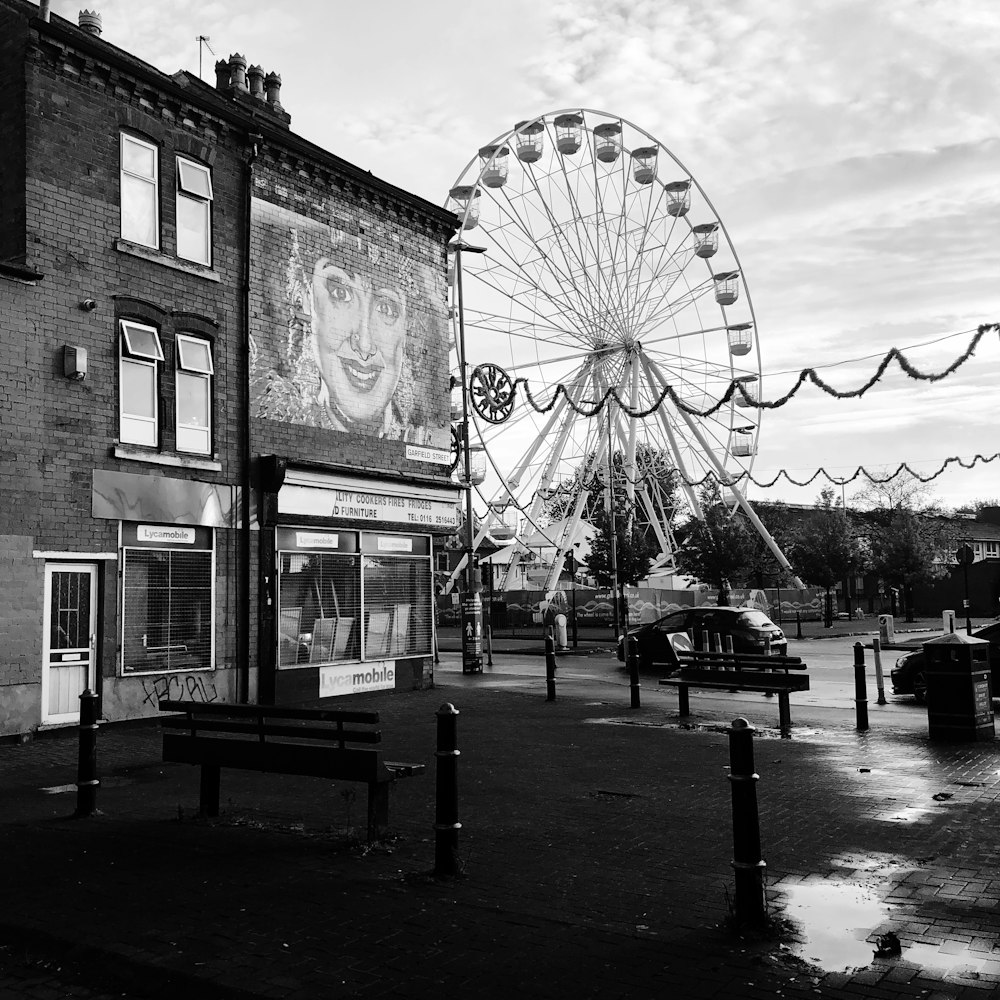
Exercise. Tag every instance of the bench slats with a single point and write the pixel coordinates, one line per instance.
(198, 708)
(314, 733)
(744, 681)
(280, 758)
(738, 660)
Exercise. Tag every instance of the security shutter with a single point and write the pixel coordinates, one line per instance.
(397, 598)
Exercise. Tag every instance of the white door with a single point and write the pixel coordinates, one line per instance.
(70, 639)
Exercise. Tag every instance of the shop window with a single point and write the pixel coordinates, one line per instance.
(397, 600)
(167, 602)
(194, 211)
(194, 394)
(140, 356)
(318, 608)
(140, 216)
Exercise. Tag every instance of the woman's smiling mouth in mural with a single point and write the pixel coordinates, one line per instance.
(363, 377)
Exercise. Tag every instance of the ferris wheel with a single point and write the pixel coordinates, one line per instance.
(592, 265)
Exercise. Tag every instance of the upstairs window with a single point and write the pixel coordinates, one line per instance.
(140, 192)
(141, 354)
(194, 211)
(194, 394)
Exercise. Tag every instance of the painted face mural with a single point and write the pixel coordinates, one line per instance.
(349, 330)
(360, 331)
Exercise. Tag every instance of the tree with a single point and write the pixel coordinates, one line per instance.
(827, 549)
(634, 548)
(717, 549)
(905, 551)
(905, 535)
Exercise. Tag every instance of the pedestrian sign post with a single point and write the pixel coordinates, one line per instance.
(472, 634)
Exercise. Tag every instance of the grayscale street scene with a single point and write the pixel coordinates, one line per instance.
(499, 502)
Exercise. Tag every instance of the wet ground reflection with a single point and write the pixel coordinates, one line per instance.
(835, 922)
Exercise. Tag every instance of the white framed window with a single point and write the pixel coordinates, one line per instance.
(992, 550)
(194, 394)
(138, 383)
(168, 598)
(140, 209)
(194, 211)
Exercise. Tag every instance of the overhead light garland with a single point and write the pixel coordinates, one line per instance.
(736, 385)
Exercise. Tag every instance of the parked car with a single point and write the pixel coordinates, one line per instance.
(751, 631)
(908, 673)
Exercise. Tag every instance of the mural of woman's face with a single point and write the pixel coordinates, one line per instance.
(360, 332)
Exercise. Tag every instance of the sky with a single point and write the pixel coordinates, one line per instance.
(851, 149)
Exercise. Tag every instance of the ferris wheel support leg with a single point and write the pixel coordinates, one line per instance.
(726, 478)
(666, 546)
(656, 378)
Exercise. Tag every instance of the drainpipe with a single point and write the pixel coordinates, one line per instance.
(243, 588)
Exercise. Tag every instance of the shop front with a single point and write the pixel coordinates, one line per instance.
(352, 587)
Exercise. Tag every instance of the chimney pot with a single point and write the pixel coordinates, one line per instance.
(255, 74)
(90, 21)
(222, 75)
(273, 84)
(238, 73)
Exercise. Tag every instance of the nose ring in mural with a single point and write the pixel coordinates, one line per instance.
(491, 391)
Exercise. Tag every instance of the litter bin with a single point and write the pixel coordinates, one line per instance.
(886, 629)
(959, 698)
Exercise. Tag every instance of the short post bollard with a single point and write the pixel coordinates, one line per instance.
(632, 656)
(798, 624)
(86, 773)
(446, 824)
(879, 676)
(748, 866)
(550, 667)
(860, 687)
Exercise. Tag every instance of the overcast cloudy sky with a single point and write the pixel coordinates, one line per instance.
(851, 148)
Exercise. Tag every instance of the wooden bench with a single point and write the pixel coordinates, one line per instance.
(318, 743)
(738, 672)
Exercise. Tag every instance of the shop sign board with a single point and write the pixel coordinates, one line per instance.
(367, 506)
(355, 678)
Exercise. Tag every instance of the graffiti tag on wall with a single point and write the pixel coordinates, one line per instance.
(175, 688)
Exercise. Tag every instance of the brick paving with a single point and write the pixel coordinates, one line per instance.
(596, 847)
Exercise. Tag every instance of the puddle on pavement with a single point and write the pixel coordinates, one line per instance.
(943, 957)
(835, 922)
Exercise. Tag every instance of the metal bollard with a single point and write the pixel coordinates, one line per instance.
(879, 676)
(446, 825)
(87, 781)
(860, 688)
(632, 657)
(550, 667)
(798, 624)
(748, 866)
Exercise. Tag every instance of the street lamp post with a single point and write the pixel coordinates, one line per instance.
(472, 609)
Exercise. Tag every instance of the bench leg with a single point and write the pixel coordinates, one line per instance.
(784, 711)
(209, 803)
(378, 809)
(683, 705)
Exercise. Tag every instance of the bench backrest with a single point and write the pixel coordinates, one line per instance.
(738, 661)
(268, 721)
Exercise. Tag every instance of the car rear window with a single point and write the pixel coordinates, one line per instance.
(756, 619)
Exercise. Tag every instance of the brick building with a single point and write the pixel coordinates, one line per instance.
(223, 387)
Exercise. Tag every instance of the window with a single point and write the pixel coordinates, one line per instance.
(140, 191)
(194, 394)
(194, 212)
(349, 597)
(167, 599)
(992, 550)
(138, 384)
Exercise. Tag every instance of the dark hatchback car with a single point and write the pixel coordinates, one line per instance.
(751, 631)
(908, 673)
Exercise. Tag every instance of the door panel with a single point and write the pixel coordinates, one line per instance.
(70, 639)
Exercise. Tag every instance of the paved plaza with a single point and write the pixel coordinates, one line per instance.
(596, 848)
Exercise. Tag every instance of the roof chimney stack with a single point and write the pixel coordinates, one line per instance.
(90, 21)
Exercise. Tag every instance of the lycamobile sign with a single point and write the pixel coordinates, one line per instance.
(355, 678)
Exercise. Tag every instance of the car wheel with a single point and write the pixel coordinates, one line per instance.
(920, 687)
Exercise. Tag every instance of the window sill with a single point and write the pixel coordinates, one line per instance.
(158, 458)
(147, 253)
